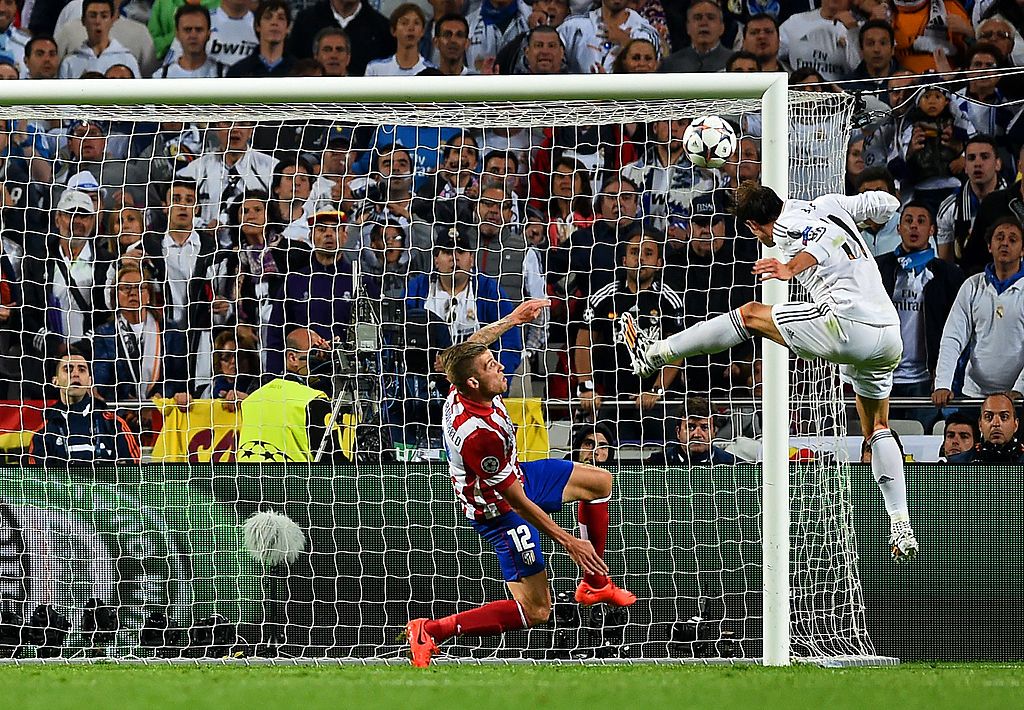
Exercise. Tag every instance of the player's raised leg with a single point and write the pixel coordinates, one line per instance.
(705, 338)
(887, 469)
(592, 487)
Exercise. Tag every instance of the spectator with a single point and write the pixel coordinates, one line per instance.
(87, 156)
(639, 56)
(99, 51)
(119, 71)
(124, 243)
(463, 299)
(569, 204)
(743, 62)
(163, 22)
(233, 375)
(877, 43)
(928, 147)
(498, 243)
(273, 20)
(64, 283)
(287, 418)
(923, 288)
(192, 30)
(1001, 34)
(388, 196)
(295, 194)
(960, 433)
(824, 40)
(233, 167)
(602, 363)
(880, 238)
(232, 32)
(761, 38)
(922, 28)
(368, 30)
(408, 23)
(493, 25)
(319, 296)
(79, 429)
(451, 40)
(42, 60)
(592, 40)
(695, 436)
(981, 101)
(446, 196)
(501, 167)
(982, 166)
(709, 265)
(129, 352)
(594, 444)
(546, 13)
(70, 33)
(544, 53)
(744, 164)
(265, 258)
(987, 318)
(385, 257)
(1007, 202)
(668, 180)
(706, 53)
(999, 441)
(195, 279)
(332, 49)
(13, 41)
(592, 251)
(854, 161)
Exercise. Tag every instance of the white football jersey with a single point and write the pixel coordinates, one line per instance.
(846, 277)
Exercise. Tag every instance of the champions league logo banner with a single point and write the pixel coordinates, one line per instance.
(144, 546)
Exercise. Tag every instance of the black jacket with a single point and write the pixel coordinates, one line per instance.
(676, 455)
(987, 452)
(1001, 203)
(369, 34)
(83, 433)
(253, 66)
(939, 295)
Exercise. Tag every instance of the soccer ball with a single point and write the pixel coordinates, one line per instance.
(709, 141)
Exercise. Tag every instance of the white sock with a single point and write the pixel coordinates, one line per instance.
(705, 338)
(887, 468)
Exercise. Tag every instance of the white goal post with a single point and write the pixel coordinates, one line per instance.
(227, 98)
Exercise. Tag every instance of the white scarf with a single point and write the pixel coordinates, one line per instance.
(936, 30)
(150, 355)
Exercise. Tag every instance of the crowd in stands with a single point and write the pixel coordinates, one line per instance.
(173, 260)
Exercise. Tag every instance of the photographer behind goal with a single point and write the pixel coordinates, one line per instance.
(287, 418)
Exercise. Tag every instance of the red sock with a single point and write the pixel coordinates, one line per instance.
(489, 619)
(593, 519)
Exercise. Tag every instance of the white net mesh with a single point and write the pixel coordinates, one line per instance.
(216, 238)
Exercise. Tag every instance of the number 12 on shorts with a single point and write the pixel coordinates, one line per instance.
(521, 538)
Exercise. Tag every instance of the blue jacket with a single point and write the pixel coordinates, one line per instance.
(491, 305)
(83, 433)
(114, 377)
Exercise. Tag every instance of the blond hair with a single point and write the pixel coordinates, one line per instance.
(457, 362)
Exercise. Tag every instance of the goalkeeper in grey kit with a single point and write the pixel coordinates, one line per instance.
(850, 320)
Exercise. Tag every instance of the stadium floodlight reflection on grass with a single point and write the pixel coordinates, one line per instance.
(770, 548)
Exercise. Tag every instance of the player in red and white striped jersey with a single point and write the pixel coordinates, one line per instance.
(509, 503)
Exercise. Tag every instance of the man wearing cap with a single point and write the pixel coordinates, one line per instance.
(64, 285)
(84, 163)
(710, 266)
(319, 297)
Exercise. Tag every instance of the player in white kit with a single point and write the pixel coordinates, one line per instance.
(850, 320)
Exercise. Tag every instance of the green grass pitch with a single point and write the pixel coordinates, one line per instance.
(905, 687)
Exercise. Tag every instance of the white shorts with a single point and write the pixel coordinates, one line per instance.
(866, 354)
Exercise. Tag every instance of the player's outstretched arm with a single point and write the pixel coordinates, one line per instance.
(581, 551)
(524, 313)
(874, 205)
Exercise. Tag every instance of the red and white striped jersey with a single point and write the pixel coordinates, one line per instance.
(482, 457)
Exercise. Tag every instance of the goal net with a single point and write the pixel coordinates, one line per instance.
(164, 264)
